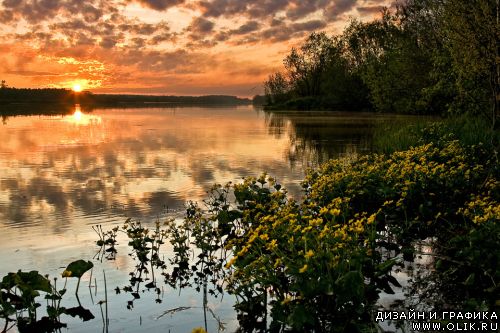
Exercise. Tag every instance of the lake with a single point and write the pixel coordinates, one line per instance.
(62, 174)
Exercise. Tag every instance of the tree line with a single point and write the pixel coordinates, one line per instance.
(10, 95)
(423, 57)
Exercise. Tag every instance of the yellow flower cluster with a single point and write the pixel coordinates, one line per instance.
(481, 210)
(347, 202)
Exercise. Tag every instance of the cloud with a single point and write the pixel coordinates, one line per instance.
(258, 9)
(200, 31)
(370, 10)
(200, 25)
(248, 27)
(294, 10)
(338, 7)
(281, 31)
(300, 9)
(180, 61)
(208, 45)
(159, 5)
(219, 8)
(105, 32)
(36, 11)
(31, 73)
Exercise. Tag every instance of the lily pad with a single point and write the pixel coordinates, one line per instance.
(81, 312)
(77, 268)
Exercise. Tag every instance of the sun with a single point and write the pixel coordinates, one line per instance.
(77, 87)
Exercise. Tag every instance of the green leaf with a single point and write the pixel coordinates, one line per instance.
(385, 267)
(391, 279)
(470, 280)
(350, 286)
(27, 282)
(77, 268)
(81, 312)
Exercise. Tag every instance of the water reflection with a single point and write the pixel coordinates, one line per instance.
(127, 162)
(82, 119)
(141, 162)
(315, 137)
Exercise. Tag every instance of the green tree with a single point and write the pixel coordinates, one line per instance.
(392, 61)
(276, 89)
(306, 66)
(470, 29)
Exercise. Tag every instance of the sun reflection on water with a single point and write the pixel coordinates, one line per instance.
(81, 119)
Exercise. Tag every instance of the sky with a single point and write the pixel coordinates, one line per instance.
(162, 47)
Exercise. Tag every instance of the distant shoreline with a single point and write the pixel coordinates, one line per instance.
(65, 97)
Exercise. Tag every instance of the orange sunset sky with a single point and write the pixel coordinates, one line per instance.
(170, 47)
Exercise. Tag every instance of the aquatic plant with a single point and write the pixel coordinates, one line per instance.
(320, 263)
(19, 301)
(77, 269)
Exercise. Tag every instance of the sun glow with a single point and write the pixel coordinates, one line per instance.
(77, 115)
(77, 87)
(81, 119)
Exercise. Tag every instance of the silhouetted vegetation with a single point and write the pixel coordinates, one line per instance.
(411, 60)
(169, 100)
(9, 95)
(259, 100)
(50, 96)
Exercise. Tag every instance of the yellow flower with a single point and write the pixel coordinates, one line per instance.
(335, 212)
(252, 237)
(231, 262)
(306, 229)
(277, 263)
(264, 237)
(303, 269)
(324, 232)
(272, 245)
(309, 254)
(198, 330)
(243, 251)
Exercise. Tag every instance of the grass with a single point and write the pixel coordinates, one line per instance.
(400, 135)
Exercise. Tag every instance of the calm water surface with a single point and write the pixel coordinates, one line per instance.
(62, 174)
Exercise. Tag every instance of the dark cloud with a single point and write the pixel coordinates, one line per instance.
(266, 8)
(244, 29)
(163, 37)
(109, 42)
(295, 10)
(104, 32)
(159, 4)
(250, 26)
(35, 11)
(277, 22)
(284, 31)
(218, 8)
(338, 7)
(252, 9)
(180, 61)
(308, 26)
(200, 25)
(200, 31)
(31, 73)
(302, 8)
(370, 10)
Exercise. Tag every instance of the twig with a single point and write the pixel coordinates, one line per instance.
(106, 299)
(174, 310)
